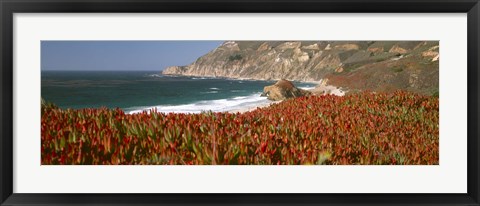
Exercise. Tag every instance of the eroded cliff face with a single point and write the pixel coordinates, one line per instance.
(356, 65)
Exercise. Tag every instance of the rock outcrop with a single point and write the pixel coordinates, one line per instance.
(351, 65)
(283, 89)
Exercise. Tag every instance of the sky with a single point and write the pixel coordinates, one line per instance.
(121, 55)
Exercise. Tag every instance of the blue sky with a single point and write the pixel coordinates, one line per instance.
(121, 55)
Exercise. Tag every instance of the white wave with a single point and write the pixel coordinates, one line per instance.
(219, 105)
(307, 88)
(155, 75)
(244, 97)
(200, 78)
(214, 88)
(210, 92)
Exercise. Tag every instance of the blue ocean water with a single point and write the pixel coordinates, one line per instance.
(135, 91)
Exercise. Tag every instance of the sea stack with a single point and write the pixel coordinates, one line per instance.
(283, 89)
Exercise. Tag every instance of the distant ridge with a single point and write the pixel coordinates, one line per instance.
(351, 65)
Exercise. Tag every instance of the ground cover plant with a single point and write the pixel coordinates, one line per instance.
(362, 128)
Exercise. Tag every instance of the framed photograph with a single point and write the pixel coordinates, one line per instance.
(265, 102)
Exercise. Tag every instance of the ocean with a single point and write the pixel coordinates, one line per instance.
(135, 91)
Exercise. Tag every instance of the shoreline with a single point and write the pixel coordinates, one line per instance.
(248, 108)
(318, 90)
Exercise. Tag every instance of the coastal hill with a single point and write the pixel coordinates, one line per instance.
(351, 65)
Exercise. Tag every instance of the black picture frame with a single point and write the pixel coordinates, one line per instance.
(9, 7)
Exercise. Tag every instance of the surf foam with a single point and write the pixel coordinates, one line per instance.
(219, 105)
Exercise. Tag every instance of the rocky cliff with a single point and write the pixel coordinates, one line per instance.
(352, 65)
